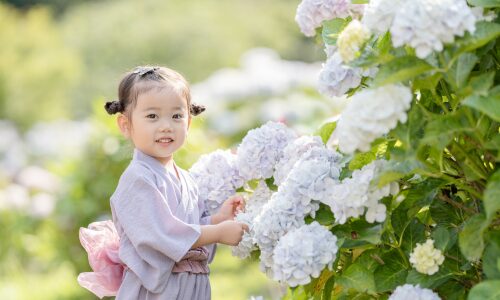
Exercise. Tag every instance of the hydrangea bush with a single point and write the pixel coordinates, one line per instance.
(400, 198)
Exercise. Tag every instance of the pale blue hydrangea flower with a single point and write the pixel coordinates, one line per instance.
(303, 253)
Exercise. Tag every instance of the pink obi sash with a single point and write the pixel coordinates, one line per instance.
(101, 241)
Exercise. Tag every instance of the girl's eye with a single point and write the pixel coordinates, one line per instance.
(152, 116)
(178, 116)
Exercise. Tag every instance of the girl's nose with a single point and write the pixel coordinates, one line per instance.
(165, 127)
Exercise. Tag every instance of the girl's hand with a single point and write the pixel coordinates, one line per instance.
(230, 208)
(231, 232)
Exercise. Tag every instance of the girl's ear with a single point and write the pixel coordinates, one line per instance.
(124, 125)
(189, 122)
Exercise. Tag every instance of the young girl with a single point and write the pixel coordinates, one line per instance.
(164, 232)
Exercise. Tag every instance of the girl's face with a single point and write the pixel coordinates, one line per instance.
(159, 123)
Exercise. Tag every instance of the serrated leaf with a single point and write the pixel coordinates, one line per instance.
(484, 33)
(357, 277)
(391, 274)
(489, 105)
(486, 290)
(401, 69)
(470, 239)
(460, 71)
(429, 281)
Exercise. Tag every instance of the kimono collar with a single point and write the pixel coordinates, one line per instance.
(153, 163)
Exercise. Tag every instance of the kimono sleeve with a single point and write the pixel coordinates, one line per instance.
(149, 223)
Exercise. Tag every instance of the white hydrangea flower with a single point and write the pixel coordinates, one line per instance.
(427, 24)
(280, 215)
(356, 195)
(370, 114)
(246, 245)
(254, 205)
(425, 258)
(408, 291)
(217, 178)
(261, 149)
(311, 13)
(291, 155)
(379, 14)
(350, 40)
(303, 253)
(258, 199)
(314, 172)
(335, 79)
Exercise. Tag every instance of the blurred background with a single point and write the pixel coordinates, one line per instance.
(61, 155)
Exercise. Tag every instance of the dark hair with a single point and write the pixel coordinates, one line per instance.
(139, 81)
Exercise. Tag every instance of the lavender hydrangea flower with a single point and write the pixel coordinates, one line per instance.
(217, 178)
(317, 169)
(414, 292)
(335, 79)
(310, 13)
(355, 196)
(292, 153)
(379, 14)
(428, 24)
(261, 149)
(370, 114)
(303, 253)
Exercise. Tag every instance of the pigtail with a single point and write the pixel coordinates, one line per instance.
(196, 109)
(113, 107)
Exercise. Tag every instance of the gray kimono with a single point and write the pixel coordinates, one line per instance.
(158, 220)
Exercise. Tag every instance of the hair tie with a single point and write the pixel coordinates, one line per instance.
(113, 107)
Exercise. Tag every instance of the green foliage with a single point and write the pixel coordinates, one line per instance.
(444, 157)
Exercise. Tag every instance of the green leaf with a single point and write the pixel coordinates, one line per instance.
(324, 215)
(391, 274)
(486, 290)
(492, 196)
(482, 83)
(332, 29)
(327, 291)
(453, 290)
(422, 194)
(400, 69)
(485, 3)
(413, 234)
(357, 277)
(394, 170)
(441, 238)
(325, 131)
(485, 32)
(489, 105)
(443, 128)
(444, 214)
(460, 71)
(361, 159)
(429, 281)
(427, 82)
(471, 239)
(494, 143)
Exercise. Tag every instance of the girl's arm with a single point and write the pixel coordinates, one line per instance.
(226, 232)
